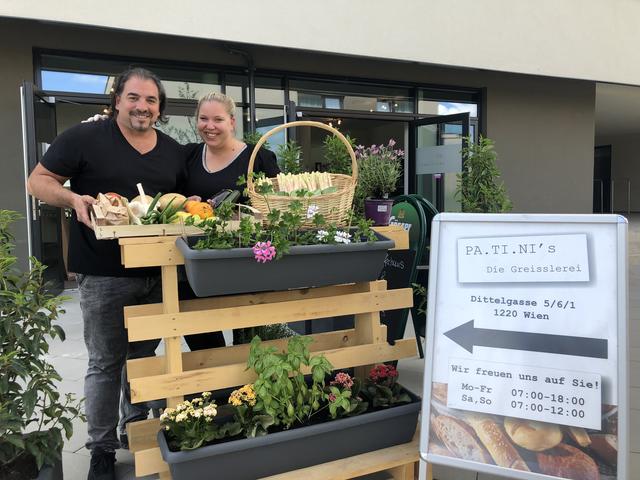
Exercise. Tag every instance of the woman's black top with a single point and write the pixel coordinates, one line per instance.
(205, 184)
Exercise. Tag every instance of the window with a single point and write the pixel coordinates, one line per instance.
(77, 74)
(351, 96)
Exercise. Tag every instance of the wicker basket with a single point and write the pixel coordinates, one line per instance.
(335, 206)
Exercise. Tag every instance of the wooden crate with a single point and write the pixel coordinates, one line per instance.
(178, 373)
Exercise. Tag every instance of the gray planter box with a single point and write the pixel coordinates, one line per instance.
(222, 272)
(252, 458)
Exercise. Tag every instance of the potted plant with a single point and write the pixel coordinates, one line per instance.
(33, 416)
(289, 157)
(380, 168)
(336, 154)
(478, 188)
(280, 254)
(283, 421)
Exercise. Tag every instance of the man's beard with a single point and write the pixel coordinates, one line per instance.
(139, 123)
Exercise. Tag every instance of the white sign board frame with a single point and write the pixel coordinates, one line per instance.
(606, 242)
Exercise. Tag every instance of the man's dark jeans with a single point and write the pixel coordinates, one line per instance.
(102, 300)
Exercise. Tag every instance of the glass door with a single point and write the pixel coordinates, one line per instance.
(435, 157)
(44, 221)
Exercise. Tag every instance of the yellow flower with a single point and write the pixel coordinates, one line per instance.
(245, 394)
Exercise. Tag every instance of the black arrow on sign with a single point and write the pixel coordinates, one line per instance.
(466, 335)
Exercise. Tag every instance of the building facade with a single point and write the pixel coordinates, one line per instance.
(547, 83)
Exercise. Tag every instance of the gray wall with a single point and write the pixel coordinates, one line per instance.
(543, 127)
(16, 66)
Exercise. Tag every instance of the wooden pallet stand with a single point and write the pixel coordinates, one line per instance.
(180, 373)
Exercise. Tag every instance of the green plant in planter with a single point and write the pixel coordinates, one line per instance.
(254, 137)
(379, 169)
(343, 395)
(478, 188)
(265, 332)
(283, 393)
(32, 413)
(382, 388)
(280, 396)
(289, 157)
(244, 400)
(336, 155)
(281, 389)
(281, 231)
(191, 424)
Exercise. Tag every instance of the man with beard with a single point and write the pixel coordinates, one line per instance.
(110, 156)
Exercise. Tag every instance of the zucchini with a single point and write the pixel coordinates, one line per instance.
(224, 196)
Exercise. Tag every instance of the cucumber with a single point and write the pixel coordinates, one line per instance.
(232, 197)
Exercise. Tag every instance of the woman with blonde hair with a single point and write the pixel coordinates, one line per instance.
(217, 163)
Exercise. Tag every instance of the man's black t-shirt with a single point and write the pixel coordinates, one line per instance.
(98, 158)
(205, 184)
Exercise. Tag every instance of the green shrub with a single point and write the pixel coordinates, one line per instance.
(32, 412)
(478, 188)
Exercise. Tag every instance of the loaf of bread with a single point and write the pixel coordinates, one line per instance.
(606, 447)
(580, 436)
(459, 438)
(532, 435)
(493, 437)
(569, 462)
(437, 449)
(439, 392)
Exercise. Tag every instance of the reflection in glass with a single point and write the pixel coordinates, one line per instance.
(74, 82)
(235, 92)
(182, 128)
(268, 118)
(310, 100)
(439, 144)
(382, 106)
(270, 96)
(332, 102)
(188, 90)
(431, 107)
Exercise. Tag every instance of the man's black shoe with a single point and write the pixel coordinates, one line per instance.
(102, 465)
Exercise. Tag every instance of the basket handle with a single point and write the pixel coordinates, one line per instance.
(302, 123)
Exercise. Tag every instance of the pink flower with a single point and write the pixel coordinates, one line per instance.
(264, 252)
(332, 397)
(343, 379)
(392, 142)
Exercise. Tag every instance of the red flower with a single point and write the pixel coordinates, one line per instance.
(382, 372)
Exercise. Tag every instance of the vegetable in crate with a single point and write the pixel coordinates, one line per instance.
(165, 199)
(167, 215)
(201, 209)
(224, 196)
(307, 183)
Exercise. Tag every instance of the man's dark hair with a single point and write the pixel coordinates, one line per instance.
(118, 87)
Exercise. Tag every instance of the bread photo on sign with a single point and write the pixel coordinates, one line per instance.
(496, 441)
(573, 453)
(565, 461)
(532, 435)
(459, 439)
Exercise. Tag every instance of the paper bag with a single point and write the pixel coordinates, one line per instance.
(107, 213)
